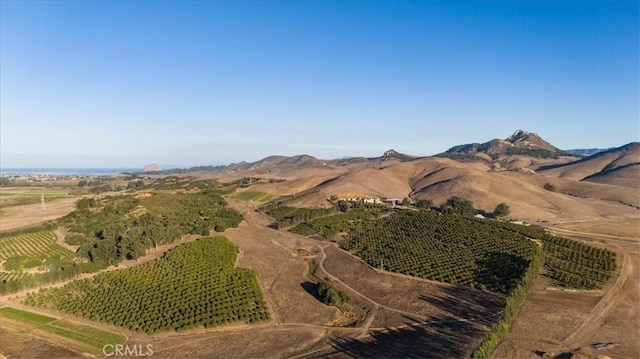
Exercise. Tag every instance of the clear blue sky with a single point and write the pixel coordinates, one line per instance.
(124, 84)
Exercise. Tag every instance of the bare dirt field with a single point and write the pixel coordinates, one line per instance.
(442, 320)
(31, 214)
(22, 345)
(620, 229)
(281, 271)
(254, 342)
(416, 296)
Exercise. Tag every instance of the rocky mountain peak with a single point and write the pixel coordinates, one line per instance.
(521, 135)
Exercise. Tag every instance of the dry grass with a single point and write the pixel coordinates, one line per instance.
(280, 272)
(31, 214)
(561, 321)
(24, 345)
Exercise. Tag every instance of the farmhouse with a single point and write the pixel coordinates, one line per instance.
(358, 197)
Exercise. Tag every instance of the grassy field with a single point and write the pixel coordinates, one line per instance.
(90, 336)
(19, 198)
(253, 196)
(24, 316)
(94, 337)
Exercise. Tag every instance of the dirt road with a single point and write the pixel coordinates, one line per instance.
(610, 299)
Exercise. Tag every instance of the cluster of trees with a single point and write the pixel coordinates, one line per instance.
(193, 285)
(533, 152)
(459, 206)
(330, 295)
(101, 189)
(124, 227)
(91, 183)
(329, 227)
(501, 210)
(290, 216)
(424, 203)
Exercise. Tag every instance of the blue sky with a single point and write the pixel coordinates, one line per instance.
(124, 84)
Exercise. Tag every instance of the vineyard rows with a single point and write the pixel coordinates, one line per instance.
(32, 249)
(38, 244)
(11, 276)
(193, 285)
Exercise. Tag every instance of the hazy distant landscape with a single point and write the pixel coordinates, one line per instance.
(447, 253)
(319, 180)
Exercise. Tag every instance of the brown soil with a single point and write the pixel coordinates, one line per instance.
(22, 345)
(561, 321)
(61, 233)
(280, 272)
(32, 214)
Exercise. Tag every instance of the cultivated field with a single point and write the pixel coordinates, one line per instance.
(32, 258)
(253, 196)
(272, 312)
(66, 334)
(32, 249)
(16, 196)
(207, 291)
(555, 321)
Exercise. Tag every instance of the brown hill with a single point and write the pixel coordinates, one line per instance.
(619, 166)
(519, 143)
(440, 178)
(274, 165)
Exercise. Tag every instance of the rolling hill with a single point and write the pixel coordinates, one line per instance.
(513, 170)
(604, 185)
(619, 166)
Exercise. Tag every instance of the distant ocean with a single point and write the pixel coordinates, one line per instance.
(66, 171)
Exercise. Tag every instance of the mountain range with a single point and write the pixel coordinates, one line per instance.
(513, 170)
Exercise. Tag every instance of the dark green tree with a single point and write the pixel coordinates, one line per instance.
(424, 203)
(330, 295)
(460, 206)
(501, 210)
(344, 206)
